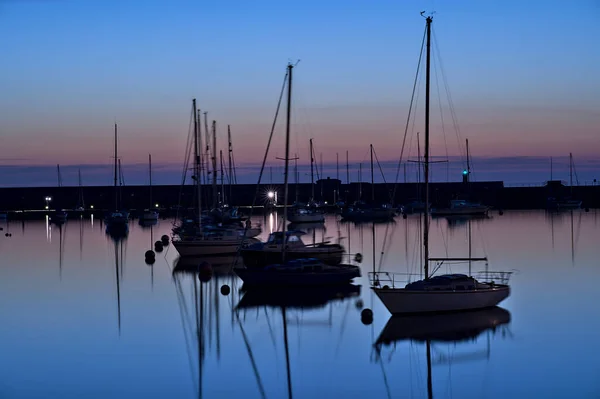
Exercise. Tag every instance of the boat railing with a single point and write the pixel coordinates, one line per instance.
(392, 280)
(498, 277)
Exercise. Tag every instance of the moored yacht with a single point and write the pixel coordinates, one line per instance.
(261, 254)
(449, 292)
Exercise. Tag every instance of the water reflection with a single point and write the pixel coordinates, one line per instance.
(283, 300)
(181, 337)
(450, 329)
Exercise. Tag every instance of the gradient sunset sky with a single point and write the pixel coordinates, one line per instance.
(523, 76)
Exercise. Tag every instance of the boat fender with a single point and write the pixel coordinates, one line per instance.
(366, 316)
(149, 257)
(225, 290)
(358, 257)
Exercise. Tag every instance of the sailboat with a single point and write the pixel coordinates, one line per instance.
(117, 221)
(309, 213)
(462, 206)
(60, 215)
(360, 211)
(207, 240)
(449, 292)
(80, 202)
(149, 215)
(567, 202)
(304, 271)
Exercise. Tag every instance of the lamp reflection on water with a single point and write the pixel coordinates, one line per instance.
(273, 223)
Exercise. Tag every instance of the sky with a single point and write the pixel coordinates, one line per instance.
(522, 78)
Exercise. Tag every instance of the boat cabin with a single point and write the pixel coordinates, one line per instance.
(293, 238)
(445, 282)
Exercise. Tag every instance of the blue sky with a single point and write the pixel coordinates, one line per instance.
(523, 77)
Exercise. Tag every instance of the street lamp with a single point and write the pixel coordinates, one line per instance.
(48, 199)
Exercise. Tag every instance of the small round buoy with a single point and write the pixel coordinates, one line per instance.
(6, 234)
(587, 209)
(358, 257)
(500, 212)
(366, 316)
(205, 272)
(149, 254)
(165, 239)
(150, 261)
(158, 246)
(359, 304)
(225, 290)
(1, 228)
(404, 216)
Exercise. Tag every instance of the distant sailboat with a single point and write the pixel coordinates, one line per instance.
(117, 221)
(149, 215)
(59, 216)
(563, 202)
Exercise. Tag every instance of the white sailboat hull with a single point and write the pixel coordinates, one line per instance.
(209, 247)
(402, 301)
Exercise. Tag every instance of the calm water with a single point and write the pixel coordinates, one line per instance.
(83, 316)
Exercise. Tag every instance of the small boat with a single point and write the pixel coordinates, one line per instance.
(374, 211)
(413, 206)
(59, 217)
(362, 212)
(565, 203)
(117, 220)
(308, 271)
(212, 241)
(305, 214)
(149, 215)
(262, 254)
(558, 202)
(461, 207)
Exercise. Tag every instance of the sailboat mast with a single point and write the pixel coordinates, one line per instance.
(419, 166)
(214, 163)
(287, 159)
(337, 175)
(222, 177)
(230, 162)
(197, 149)
(551, 169)
(150, 177)
(571, 171)
(347, 175)
(296, 174)
(116, 176)
(206, 151)
(372, 177)
(468, 161)
(312, 179)
(360, 181)
(426, 163)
